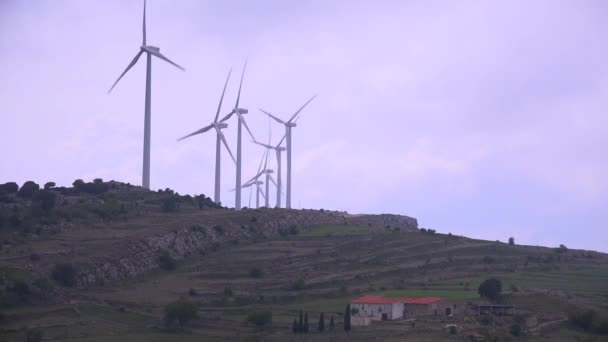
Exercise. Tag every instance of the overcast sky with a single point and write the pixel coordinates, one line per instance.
(480, 118)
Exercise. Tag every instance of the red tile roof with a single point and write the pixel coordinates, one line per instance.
(374, 299)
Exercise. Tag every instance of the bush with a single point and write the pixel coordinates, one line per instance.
(166, 261)
(228, 291)
(299, 284)
(49, 185)
(490, 288)
(33, 335)
(44, 201)
(34, 257)
(192, 292)
(488, 260)
(583, 319)
(256, 272)
(561, 249)
(219, 229)
(515, 330)
(169, 204)
(65, 274)
(260, 318)
(78, 184)
(511, 241)
(28, 189)
(9, 188)
(452, 329)
(181, 311)
(21, 290)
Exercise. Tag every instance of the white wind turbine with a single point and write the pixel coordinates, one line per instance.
(241, 122)
(150, 51)
(278, 149)
(288, 125)
(219, 139)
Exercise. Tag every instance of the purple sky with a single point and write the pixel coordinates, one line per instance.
(480, 118)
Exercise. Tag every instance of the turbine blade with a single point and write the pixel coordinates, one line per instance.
(161, 56)
(238, 98)
(228, 116)
(272, 180)
(254, 178)
(246, 126)
(202, 130)
(225, 144)
(261, 161)
(262, 144)
(144, 25)
(219, 106)
(299, 110)
(127, 69)
(281, 141)
(272, 116)
(261, 191)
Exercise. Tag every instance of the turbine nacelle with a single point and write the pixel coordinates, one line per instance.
(150, 48)
(241, 110)
(290, 124)
(268, 171)
(221, 125)
(280, 149)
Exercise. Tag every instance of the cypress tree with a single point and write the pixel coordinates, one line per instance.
(347, 318)
(306, 322)
(331, 323)
(294, 327)
(321, 323)
(301, 322)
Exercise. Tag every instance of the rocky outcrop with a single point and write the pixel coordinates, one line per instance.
(136, 257)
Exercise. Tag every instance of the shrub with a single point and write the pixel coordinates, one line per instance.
(166, 261)
(28, 189)
(219, 229)
(332, 325)
(511, 241)
(181, 311)
(354, 311)
(42, 284)
(260, 318)
(44, 201)
(33, 335)
(21, 290)
(228, 291)
(34, 257)
(192, 292)
(49, 185)
(452, 329)
(490, 289)
(488, 260)
(65, 274)
(256, 272)
(9, 188)
(583, 319)
(515, 329)
(561, 249)
(77, 184)
(299, 284)
(169, 204)
(347, 318)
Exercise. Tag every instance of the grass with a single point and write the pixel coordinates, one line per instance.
(147, 337)
(336, 230)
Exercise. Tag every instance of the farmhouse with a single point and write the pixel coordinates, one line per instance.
(382, 308)
(378, 307)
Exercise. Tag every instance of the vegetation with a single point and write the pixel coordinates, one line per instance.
(49, 185)
(321, 325)
(9, 188)
(169, 204)
(347, 315)
(511, 241)
(490, 289)
(256, 272)
(28, 189)
(166, 261)
(65, 274)
(181, 311)
(332, 325)
(260, 318)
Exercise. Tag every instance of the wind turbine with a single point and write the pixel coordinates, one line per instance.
(278, 149)
(219, 139)
(255, 181)
(288, 125)
(150, 51)
(239, 112)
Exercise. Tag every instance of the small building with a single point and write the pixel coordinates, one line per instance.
(424, 306)
(378, 307)
(496, 310)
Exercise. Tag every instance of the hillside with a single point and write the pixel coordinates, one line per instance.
(100, 261)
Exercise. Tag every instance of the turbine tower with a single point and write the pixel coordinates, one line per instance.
(219, 139)
(239, 112)
(278, 149)
(288, 125)
(150, 51)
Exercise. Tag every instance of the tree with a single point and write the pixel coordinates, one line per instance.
(44, 200)
(169, 204)
(332, 325)
(97, 180)
(181, 311)
(321, 323)
(78, 184)
(301, 322)
(347, 318)
(294, 327)
(49, 185)
(515, 329)
(28, 189)
(260, 318)
(511, 241)
(490, 289)
(166, 261)
(9, 188)
(306, 322)
(65, 274)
